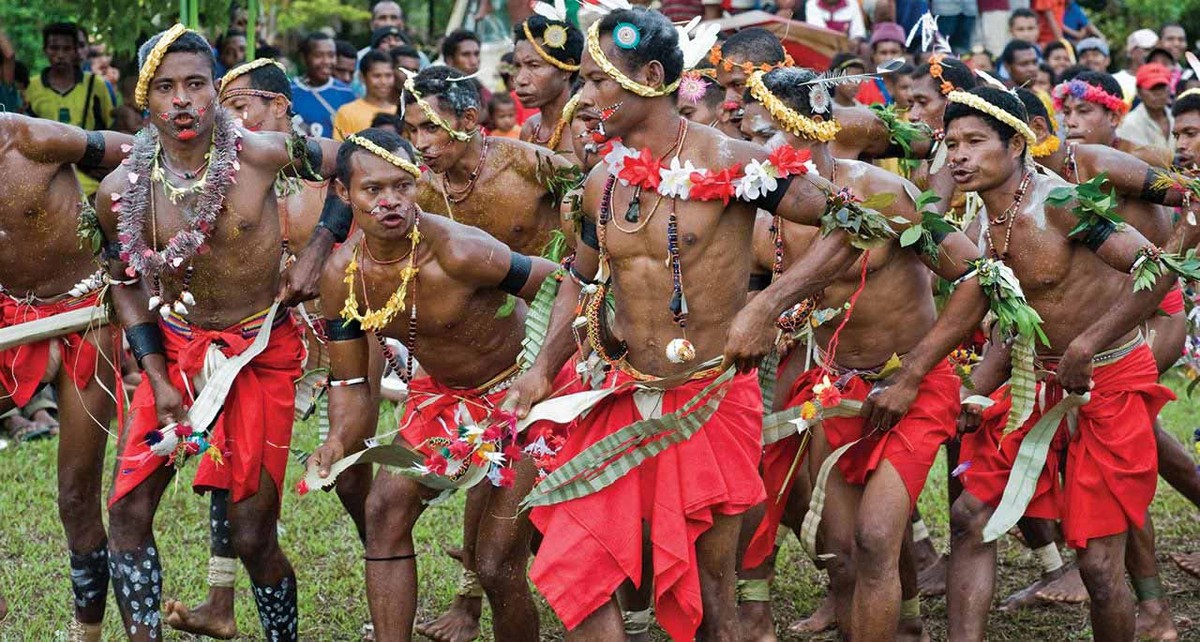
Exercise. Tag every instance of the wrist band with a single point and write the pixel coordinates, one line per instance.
(145, 339)
(343, 383)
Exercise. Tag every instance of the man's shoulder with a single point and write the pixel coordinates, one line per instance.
(342, 90)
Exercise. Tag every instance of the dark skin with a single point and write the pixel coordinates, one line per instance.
(1023, 67)
(541, 85)
(319, 61)
(63, 53)
(1088, 122)
(236, 278)
(1086, 307)
(42, 257)
(509, 174)
(460, 343)
(897, 296)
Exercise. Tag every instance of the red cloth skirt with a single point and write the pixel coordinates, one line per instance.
(253, 430)
(22, 367)
(1111, 462)
(911, 445)
(1172, 303)
(594, 543)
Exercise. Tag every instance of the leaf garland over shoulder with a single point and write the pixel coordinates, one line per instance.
(902, 132)
(1092, 204)
(868, 228)
(559, 180)
(932, 223)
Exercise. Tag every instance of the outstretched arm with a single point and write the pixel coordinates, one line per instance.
(478, 258)
(47, 141)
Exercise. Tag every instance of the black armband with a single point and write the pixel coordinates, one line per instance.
(93, 152)
(759, 281)
(336, 216)
(111, 251)
(938, 236)
(314, 157)
(145, 339)
(1150, 193)
(343, 330)
(1097, 234)
(518, 274)
(770, 201)
(587, 233)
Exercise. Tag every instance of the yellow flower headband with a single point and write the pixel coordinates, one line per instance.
(792, 121)
(1046, 147)
(153, 59)
(384, 154)
(593, 45)
(981, 105)
(410, 85)
(562, 40)
(245, 68)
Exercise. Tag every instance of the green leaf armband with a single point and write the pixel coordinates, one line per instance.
(868, 228)
(901, 132)
(927, 235)
(1093, 207)
(1151, 263)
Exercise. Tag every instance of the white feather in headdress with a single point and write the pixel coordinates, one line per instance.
(931, 39)
(991, 80)
(603, 7)
(556, 12)
(1193, 62)
(695, 46)
(818, 97)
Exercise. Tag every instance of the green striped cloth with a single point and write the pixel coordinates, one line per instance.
(816, 506)
(537, 320)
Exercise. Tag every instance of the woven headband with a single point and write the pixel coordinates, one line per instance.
(410, 85)
(153, 60)
(245, 68)
(542, 52)
(979, 104)
(384, 154)
(593, 45)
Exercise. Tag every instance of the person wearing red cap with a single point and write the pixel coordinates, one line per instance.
(1150, 122)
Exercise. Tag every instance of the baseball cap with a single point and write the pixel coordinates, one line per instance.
(1141, 39)
(1152, 75)
(379, 34)
(1091, 44)
(887, 31)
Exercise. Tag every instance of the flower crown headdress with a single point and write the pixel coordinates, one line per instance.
(385, 154)
(153, 60)
(790, 120)
(1088, 93)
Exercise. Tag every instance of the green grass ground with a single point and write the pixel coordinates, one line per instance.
(321, 543)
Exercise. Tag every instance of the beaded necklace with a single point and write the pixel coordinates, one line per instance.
(1009, 216)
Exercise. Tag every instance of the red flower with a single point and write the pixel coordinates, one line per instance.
(436, 464)
(512, 453)
(508, 477)
(491, 433)
(830, 397)
(183, 430)
(710, 185)
(191, 447)
(302, 488)
(460, 450)
(790, 161)
(642, 171)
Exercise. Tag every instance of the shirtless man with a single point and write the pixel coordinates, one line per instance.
(48, 269)
(1092, 108)
(260, 95)
(543, 77)
(703, 107)
(196, 270)
(866, 513)
(1141, 206)
(461, 276)
(1101, 351)
(469, 174)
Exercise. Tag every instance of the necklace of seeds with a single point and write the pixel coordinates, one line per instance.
(406, 372)
(457, 195)
(156, 301)
(1010, 217)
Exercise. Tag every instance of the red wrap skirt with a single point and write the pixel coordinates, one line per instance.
(22, 367)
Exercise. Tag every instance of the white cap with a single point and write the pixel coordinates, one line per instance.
(1142, 38)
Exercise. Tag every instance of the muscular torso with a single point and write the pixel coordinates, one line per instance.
(507, 201)
(40, 251)
(460, 341)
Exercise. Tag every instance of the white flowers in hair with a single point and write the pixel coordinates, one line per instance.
(556, 12)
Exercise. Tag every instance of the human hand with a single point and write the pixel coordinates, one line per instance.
(1075, 369)
(750, 338)
(525, 391)
(324, 457)
(889, 401)
(301, 280)
(168, 404)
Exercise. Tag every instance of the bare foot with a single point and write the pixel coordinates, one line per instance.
(1154, 621)
(823, 619)
(912, 630)
(455, 552)
(460, 623)
(1028, 596)
(1068, 589)
(755, 622)
(213, 618)
(931, 580)
(1188, 562)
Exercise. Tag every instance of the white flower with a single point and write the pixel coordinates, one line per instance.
(616, 158)
(760, 179)
(676, 181)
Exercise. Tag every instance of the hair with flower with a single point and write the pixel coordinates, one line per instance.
(790, 82)
(1092, 92)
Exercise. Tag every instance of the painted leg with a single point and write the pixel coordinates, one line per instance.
(254, 522)
(133, 559)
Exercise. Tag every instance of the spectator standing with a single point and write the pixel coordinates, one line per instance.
(1076, 25)
(1094, 54)
(956, 21)
(460, 50)
(10, 96)
(1173, 38)
(1150, 123)
(231, 51)
(993, 24)
(1023, 25)
(379, 79)
(981, 60)
(887, 43)
(388, 13)
(345, 64)
(1137, 46)
(1020, 63)
(842, 16)
(1050, 19)
(502, 110)
(317, 95)
(1059, 55)
(65, 92)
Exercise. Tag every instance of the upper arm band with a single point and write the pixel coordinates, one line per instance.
(770, 201)
(1097, 234)
(93, 152)
(938, 236)
(1150, 194)
(340, 329)
(518, 274)
(336, 217)
(759, 281)
(587, 233)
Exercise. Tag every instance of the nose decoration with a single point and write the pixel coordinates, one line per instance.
(176, 102)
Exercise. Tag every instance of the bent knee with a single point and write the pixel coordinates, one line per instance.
(876, 548)
(968, 516)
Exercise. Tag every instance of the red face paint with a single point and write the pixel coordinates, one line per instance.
(187, 134)
(164, 115)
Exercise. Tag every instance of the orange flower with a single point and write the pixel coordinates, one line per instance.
(808, 411)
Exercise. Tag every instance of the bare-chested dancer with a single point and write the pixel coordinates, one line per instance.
(195, 264)
(260, 95)
(469, 174)
(456, 276)
(47, 269)
(546, 57)
(866, 517)
(1187, 153)
(1101, 351)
